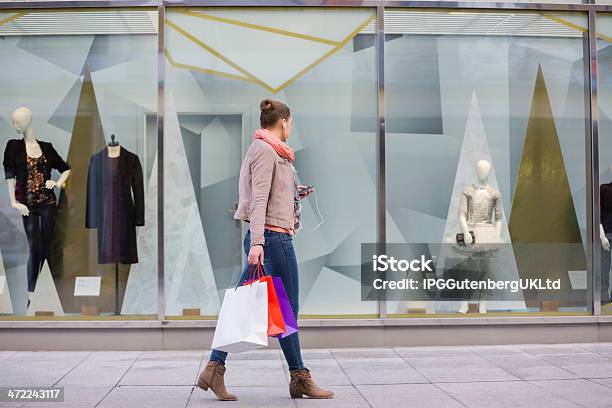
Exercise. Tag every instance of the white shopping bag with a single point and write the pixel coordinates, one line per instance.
(243, 319)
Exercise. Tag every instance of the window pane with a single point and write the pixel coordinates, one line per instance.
(82, 76)
(221, 64)
(507, 90)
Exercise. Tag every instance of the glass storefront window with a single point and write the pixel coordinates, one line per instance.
(486, 116)
(489, 108)
(221, 63)
(71, 81)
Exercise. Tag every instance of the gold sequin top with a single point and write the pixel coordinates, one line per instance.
(37, 195)
(480, 204)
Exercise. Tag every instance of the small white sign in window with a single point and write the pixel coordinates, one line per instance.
(578, 279)
(87, 286)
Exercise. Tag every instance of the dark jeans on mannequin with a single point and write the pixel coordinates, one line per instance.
(279, 260)
(39, 231)
(605, 272)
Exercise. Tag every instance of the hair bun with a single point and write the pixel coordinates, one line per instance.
(271, 112)
(266, 106)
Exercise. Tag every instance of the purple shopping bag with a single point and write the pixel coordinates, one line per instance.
(290, 322)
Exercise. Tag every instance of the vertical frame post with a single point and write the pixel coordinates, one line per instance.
(381, 234)
(592, 147)
(161, 88)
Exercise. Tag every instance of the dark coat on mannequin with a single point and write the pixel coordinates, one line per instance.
(131, 200)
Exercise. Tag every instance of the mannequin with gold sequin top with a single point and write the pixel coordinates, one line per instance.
(480, 212)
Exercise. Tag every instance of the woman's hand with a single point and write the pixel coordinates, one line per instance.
(50, 184)
(305, 194)
(256, 255)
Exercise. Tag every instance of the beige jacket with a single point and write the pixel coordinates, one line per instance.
(266, 190)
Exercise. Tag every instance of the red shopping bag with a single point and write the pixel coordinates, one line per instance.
(276, 322)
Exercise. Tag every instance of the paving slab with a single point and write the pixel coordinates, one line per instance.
(342, 354)
(146, 396)
(380, 371)
(255, 373)
(586, 365)
(248, 397)
(77, 397)
(528, 367)
(539, 349)
(513, 394)
(495, 350)
(602, 381)
(6, 354)
(441, 351)
(162, 372)
(344, 397)
(325, 372)
(316, 354)
(256, 355)
(38, 369)
(600, 348)
(466, 368)
(581, 392)
(407, 395)
(100, 368)
(174, 355)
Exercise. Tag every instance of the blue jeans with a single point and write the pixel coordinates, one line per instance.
(279, 260)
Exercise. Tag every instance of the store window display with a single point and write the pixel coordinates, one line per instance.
(28, 165)
(505, 95)
(83, 86)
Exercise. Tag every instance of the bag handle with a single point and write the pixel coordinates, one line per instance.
(261, 272)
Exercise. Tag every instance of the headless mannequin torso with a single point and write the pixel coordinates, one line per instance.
(483, 169)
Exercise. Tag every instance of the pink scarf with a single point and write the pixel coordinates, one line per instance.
(281, 147)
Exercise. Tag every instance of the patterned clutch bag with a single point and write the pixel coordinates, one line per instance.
(461, 238)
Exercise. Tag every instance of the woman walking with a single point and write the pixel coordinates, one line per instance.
(269, 201)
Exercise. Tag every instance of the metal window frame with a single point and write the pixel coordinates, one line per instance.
(161, 110)
(592, 171)
(592, 136)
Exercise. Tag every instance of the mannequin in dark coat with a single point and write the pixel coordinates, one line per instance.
(129, 211)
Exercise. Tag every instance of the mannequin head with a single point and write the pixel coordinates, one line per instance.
(22, 119)
(483, 169)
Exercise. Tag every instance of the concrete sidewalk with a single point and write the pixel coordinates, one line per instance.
(568, 375)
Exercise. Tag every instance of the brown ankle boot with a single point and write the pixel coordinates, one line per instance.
(302, 384)
(212, 377)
